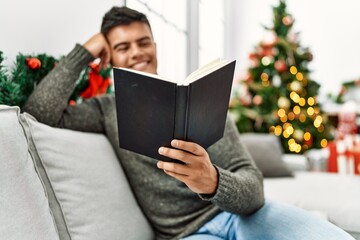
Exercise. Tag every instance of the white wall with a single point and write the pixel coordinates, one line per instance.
(48, 26)
(329, 28)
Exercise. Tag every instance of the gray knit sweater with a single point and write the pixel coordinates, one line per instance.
(173, 210)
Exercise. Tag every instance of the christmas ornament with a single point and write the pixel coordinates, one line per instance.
(283, 102)
(280, 66)
(257, 100)
(276, 81)
(298, 135)
(296, 86)
(287, 20)
(33, 63)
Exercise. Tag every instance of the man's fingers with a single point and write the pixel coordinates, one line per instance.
(191, 147)
(170, 167)
(175, 154)
(179, 177)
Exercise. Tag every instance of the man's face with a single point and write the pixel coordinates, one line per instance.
(132, 46)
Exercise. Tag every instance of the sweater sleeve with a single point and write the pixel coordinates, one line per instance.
(240, 185)
(49, 101)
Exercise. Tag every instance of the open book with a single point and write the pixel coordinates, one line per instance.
(153, 110)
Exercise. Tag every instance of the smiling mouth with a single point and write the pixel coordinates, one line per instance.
(140, 65)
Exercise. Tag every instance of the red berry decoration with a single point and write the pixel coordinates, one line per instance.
(280, 66)
(33, 63)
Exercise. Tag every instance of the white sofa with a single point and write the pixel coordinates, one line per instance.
(331, 196)
(63, 184)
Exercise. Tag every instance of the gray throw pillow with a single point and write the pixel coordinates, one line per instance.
(266, 150)
(24, 207)
(88, 190)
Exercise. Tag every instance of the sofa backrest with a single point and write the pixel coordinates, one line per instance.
(87, 190)
(24, 208)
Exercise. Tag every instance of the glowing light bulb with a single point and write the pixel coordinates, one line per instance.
(311, 101)
(323, 143)
(299, 76)
(307, 136)
(293, 70)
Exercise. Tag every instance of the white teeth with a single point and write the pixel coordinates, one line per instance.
(140, 65)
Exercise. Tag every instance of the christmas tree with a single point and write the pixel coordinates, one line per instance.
(277, 96)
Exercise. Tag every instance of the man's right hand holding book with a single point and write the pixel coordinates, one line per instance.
(198, 173)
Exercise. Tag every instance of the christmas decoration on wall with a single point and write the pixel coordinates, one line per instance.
(349, 91)
(18, 83)
(277, 95)
(92, 82)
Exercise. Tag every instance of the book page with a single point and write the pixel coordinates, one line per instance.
(149, 75)
(206, 69)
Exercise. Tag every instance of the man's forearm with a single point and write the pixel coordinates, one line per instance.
(50, 97)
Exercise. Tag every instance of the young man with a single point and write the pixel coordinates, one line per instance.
(217, 194)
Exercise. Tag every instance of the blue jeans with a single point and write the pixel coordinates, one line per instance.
(275, 221)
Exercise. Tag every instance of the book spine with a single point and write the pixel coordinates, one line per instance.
(181, 110)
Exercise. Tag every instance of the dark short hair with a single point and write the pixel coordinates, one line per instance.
(117, 16)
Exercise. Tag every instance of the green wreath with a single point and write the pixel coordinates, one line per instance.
(346, 86)
(19, 82)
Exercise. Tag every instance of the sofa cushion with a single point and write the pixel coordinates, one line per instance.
(24, 208)
(88, 191)
(267, 153)
(336, 197)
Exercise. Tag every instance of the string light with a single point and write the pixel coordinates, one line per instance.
(307, 136)
(296, 86)
(317, 121)
(289, 130)
(286, 125)
(311, 101)
(324, 143)
(302, 118)
(295, 97)
(264, 77)
(299, 76)
(293, 70)
(321, 128)
(278, 130)
(310, 111)
(283, 119)
(296, 110)
(316, 110)
(295, 147)
(298, 135)
(302, 102)
(266, 60)
(286, 135)
(272, 129)
(291, 141)
(281, 112)
(291, 116)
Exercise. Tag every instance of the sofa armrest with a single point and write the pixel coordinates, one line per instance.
(296, 162)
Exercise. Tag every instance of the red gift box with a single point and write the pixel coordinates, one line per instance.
(341, 153)
(332, 161)
(356, 154)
